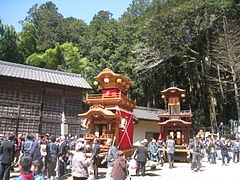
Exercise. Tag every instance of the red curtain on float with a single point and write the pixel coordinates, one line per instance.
(126, 135)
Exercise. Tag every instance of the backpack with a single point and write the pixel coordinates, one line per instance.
(27, 146)
(53, 151)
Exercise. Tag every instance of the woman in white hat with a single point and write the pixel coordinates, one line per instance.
(80, 163)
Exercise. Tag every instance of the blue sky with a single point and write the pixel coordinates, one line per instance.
(13, 11)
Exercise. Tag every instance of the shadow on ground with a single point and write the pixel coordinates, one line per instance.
(146, 174)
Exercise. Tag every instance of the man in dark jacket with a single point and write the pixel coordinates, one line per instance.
(95, 153)
(141, 155)
(52, 156)
(62, 156)
(1, 141)
(29, 146)
(7, 151)
(221, 130)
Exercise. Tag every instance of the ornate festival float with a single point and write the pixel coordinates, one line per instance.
(111, 113)
(175, 122)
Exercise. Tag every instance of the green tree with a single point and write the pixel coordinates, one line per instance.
(175, 39)
(48, 23)
(100, 40)
(27, 40)
(65, 57)
(9, 50)
(73, 29)
(1, 28)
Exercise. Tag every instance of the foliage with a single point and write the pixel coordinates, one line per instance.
(27, 40)
(176, 39)
(48, 24)
(9, 50)
(155, 43)
(72, 30)
(63, 57)
(104, 44)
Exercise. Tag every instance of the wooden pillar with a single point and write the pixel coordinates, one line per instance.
(19, 110)
(41, 110)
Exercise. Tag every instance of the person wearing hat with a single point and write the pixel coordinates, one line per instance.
(196, 150)
(154, 155)
(141, 155)
(80, 140)
(120, 167)
(80, 163)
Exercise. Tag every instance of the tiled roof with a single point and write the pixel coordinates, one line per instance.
(146, 113)
(44, 75)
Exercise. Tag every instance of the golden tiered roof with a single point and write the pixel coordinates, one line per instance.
(173, 91)
(108, 79)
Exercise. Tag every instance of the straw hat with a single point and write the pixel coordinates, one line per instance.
(144, 141)
(80, 140)
(80, 147)
(119, 153)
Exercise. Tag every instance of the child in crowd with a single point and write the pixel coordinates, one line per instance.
(25, 168)
(37, 170)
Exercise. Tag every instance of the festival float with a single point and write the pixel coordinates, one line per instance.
(175, 122)
(111, 113)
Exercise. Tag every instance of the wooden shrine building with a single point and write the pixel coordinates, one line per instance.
(35, 100)
(111, 112)
(175, 121)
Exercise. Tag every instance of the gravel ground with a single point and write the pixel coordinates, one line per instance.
(181, 171)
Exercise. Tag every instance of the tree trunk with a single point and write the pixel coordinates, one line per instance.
(213, 118)
(220, 82)
(232, 59)
(234, 76)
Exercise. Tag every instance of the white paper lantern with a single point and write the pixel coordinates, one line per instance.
(95, 83)
(106, 80)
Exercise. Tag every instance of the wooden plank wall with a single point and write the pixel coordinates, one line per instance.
(34, 107)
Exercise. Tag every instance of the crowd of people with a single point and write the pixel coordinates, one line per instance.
(42, 157)
(45, 156)
(210, 147)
